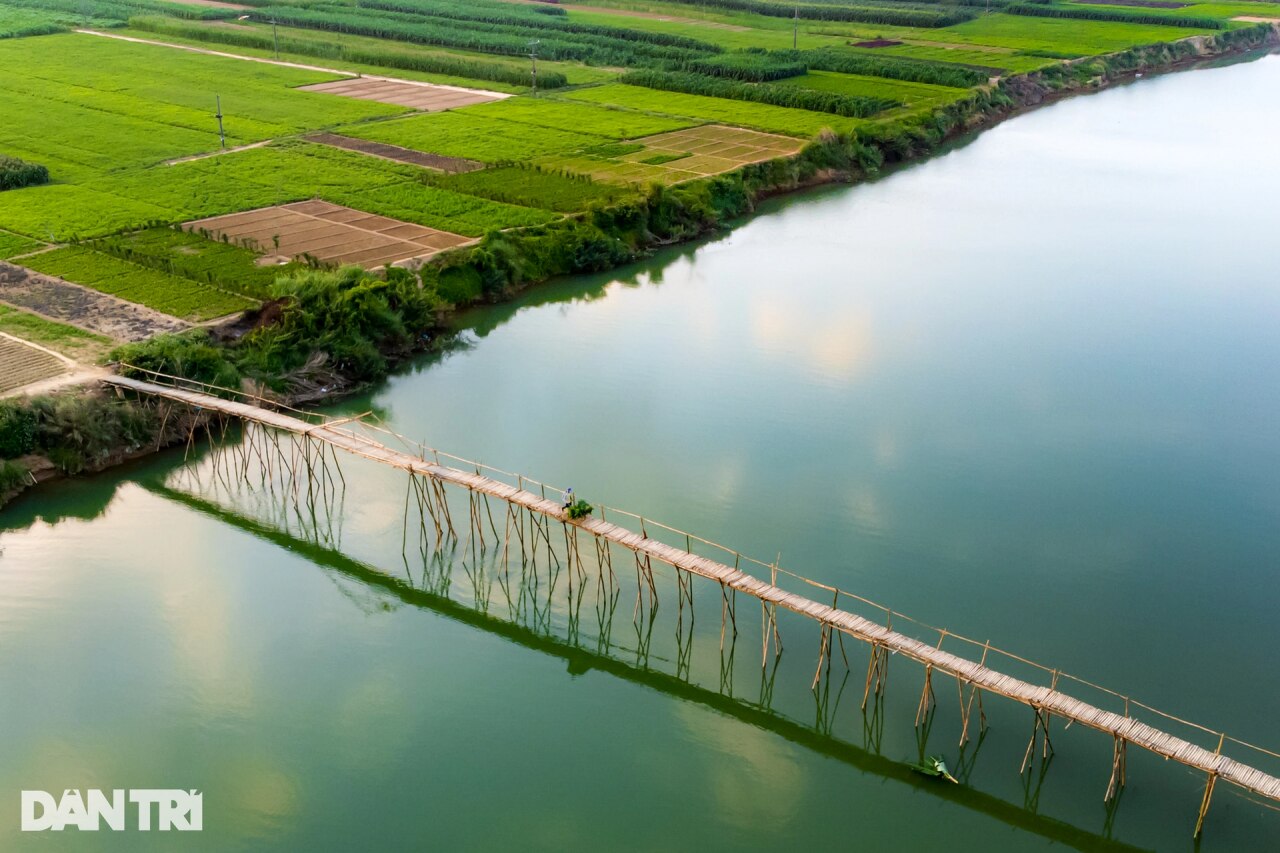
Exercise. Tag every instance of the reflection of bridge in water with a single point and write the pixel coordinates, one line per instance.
(580, 659)
(299, 479)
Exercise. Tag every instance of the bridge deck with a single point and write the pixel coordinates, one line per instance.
(1053, 701)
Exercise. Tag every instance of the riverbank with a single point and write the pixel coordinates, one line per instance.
(281, 352)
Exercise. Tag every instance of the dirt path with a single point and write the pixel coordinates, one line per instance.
(64, 302)
(299, 65)
(439, 162)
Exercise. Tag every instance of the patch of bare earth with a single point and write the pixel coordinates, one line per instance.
(438, 162)
(70, 303)
(330, 233)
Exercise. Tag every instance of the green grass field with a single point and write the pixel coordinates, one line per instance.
(197, 258)
(465, 134)
(914, 95)
(533, 188)
(1067, 36)
(765, 117)
(169, 294)
(70, 341)
(14, 244)
(575, 117)
(93, 105)
(244, 180)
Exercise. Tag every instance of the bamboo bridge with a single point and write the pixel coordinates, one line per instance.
(430, 475)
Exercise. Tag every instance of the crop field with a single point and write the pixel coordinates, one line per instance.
(13, 244)
(72, 342)
(473, 137)
(599, 120)
(198, 258)
(914, 95)
(361, 53)
(17, 23)
(261, 177)
(973, 55)
(163, 292)
(681, 155)
(533, 187)
(419, 169)
(24, 364)
(93, 105)
(766, 117)
(330, 233)
(1081, 38)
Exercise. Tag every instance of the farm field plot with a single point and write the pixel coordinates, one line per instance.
(14, 244)
(59, 337)
(682, 155)
(92, 105)
(914, 95)
(244, 180)
(473, 137)
(535, 187)
(981, 56)
(1062, 35)
(192, 256)
(423, 97)
(169, 294)
(64, 303)
(765, 117)
(329, 233)
(576, 116)
(24, 364)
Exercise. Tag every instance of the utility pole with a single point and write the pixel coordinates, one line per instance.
(533, 58)
(795, 31)
(275, 41)
(222, 134)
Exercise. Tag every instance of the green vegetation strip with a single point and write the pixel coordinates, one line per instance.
(389, 57)
(168, 294)
(1037, 10)
(774, 94)
(70, 341)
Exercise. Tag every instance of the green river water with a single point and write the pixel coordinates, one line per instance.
(1025, 390)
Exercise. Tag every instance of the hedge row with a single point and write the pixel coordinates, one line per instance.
(1038, 11)
(454, 66)
(15, 173)
(778, 95)
(748, 66)
(860, 14)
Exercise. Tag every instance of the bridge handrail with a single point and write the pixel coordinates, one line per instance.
(774, 568)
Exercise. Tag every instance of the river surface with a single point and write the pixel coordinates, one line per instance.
(1025, 390)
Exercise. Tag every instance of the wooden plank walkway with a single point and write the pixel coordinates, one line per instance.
(1055, 702)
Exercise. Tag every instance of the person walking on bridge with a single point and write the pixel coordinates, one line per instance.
(566, 500)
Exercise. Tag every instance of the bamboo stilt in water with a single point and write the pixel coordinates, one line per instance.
(1117, 769)
(927, 698)
(1204, 804)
